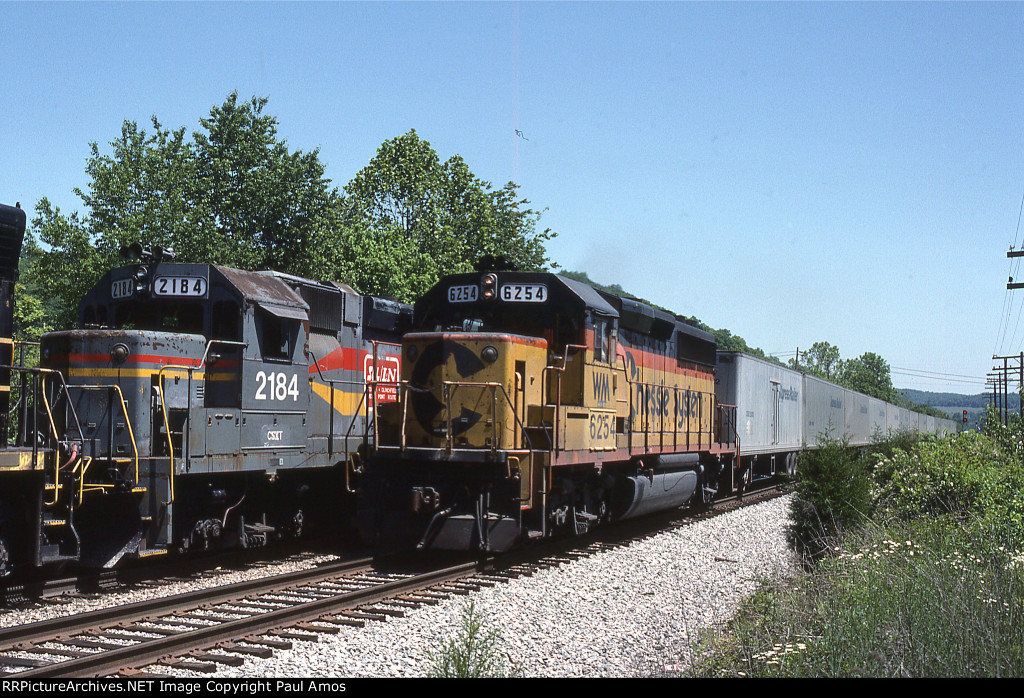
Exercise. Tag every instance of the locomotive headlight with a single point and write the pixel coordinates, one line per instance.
(119, 352)
(411, 352)
(141, 277)
(489, 354)
(489, 286)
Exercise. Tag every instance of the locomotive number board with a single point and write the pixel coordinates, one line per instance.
(462, 294)
(180, 286)
(122, 289)
(524, 293)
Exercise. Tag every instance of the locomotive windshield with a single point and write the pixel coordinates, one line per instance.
(507, 319)
(530, 304)
(160, 316)
(491, 319)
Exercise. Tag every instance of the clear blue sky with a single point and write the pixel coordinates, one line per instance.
(793, 172)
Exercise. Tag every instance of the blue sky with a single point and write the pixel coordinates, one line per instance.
(794, 172)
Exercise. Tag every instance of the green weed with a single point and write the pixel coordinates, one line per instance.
(474, 652)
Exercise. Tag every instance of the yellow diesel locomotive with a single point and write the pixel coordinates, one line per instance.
(531, 405)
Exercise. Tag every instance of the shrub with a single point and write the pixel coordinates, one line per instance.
(968, 476)
(833, 493)
(958, 475)
(883, 445)
(928, 579)
(1009, 436)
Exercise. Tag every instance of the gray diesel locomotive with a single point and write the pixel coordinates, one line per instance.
(198, 406)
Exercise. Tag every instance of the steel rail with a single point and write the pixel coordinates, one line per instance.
(153, 651)
(15, 638)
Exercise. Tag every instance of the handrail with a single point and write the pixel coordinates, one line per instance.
(370, 392)
(87, 461)
(370, 402)
(559, 371)
(645, 422)
(43, 373)
(494, 408)
(188, 414)
(405, 387)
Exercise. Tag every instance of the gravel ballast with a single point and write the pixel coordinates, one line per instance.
(619, 613)
(624, 612)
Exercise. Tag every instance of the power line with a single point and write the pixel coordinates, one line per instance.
(1007, 299)
(936, 373)
(975, 382)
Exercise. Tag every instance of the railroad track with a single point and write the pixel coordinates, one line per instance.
(255, 612)
(199, 630)
(35, 588)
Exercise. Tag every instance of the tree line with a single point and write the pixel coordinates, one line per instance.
(868, 373)
(234, 193)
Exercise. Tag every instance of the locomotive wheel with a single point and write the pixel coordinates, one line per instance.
(297, 524)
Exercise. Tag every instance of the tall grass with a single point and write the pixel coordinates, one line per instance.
(928, 582)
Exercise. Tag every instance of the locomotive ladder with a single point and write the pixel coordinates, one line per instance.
(57, 538)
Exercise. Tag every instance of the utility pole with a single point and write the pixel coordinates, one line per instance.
(1010, 286)
(995, 379)
(1004, 370)
(990, 382)
(1014, 253)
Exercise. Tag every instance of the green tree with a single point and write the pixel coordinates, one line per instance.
(260, 205)
(33, 307)
(822, 360)
(869, 374)
(424, 218)
(144, 191)
(70, 266)
(234, 194)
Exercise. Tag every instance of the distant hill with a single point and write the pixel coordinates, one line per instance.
(954, 404)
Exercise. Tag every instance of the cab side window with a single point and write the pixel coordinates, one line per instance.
(276, 336)
(227, 321)
(604, 341)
